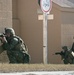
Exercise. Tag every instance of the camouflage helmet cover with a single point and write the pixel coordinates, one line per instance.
(10, 30)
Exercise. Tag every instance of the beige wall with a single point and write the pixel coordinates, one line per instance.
(67, 27)
(15, 19)
(31, 31)
(31, 28)
(54, 35)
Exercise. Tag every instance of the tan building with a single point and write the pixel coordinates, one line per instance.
(60, 29)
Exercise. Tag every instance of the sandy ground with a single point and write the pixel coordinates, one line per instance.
(12, 68)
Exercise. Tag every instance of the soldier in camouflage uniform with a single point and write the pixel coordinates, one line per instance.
(16, 49)
(66, 55)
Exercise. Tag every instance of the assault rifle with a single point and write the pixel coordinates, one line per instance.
(60, 53)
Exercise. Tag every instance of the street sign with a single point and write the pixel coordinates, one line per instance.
(46, 8)
(46, 5)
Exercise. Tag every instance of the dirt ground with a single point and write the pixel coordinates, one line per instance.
(6, 68)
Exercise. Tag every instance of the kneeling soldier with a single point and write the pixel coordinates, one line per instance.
(17, 51)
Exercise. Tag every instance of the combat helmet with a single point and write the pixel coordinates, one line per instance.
(10, 30)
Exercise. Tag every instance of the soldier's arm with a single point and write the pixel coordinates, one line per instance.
(10, 46)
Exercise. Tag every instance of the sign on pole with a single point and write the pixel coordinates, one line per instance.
(46, 7)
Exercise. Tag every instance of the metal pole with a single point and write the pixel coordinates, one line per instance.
(45, 38)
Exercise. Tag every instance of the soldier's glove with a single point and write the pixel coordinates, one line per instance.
(3, 39)
(0, 38)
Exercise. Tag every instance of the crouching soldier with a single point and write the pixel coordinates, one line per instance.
(17, 51)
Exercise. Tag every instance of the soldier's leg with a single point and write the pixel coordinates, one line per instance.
(73, 61)
(1, 49)
(22, 57)
(65, 61)
(26, 58)
(11, 57)
(19, 56)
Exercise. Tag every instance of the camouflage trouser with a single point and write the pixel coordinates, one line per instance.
(68, 58)
(17, 57)
(1, 49)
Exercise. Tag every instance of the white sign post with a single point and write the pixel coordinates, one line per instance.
(46, 7)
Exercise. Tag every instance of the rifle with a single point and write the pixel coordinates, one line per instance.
(60, 53)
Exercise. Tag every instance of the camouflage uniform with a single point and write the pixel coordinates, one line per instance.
(72, 47)
(68, 57)
(16, 49)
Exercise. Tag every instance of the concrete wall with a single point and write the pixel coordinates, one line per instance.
(5, 21)
(5, 14)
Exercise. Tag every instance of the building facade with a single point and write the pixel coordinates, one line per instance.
(24, 20)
